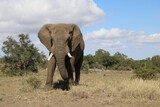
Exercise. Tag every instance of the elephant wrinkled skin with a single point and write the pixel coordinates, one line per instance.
(66, 46)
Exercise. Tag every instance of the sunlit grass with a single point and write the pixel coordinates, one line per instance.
(107, 87)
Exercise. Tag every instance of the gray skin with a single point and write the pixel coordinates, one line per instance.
(60, 39)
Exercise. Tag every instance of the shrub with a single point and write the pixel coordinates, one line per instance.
(145, 74)
(30, 84)
(85, 67)
(1, 98)
(157, 69)
(97, 65)
(34, 82)
(21, 56)
(121, 68)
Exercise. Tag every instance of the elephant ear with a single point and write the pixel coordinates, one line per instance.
(45, 36)
(76, 37)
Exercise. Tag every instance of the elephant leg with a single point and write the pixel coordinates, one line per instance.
(51, 70)
(77, 70)
(70, 70)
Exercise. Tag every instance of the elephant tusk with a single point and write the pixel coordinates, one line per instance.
(50, 56)
(69, 55)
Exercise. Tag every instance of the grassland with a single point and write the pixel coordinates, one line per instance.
(96, 89)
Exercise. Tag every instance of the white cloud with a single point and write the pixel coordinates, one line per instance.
(18, 16)
(103, 44)
(116, 38)
(111, 44)
(27, 16)
(150, 39)
(106, 34)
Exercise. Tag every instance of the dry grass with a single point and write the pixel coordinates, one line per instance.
(140, 89)
(103, 88)
(30, 84)
(121, 88)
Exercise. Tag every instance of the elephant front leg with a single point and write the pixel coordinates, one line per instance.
(51, 70)
(70, 70)
(77, 70)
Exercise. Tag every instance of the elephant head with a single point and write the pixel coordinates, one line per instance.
(61, 40)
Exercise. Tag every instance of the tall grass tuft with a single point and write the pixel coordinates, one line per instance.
(34, 82)
(140, 89)
(31, 84)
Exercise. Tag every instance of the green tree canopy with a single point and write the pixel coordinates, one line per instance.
(21, 55)
(120, 55)
(156, 60)
(102, 52)
(103, 57)
(89, 58)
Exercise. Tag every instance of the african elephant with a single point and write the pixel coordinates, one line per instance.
(66, 46)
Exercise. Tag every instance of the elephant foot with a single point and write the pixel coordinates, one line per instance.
(71, 82)
(67, 85)
(76, 82)
(47, 87)
(49, 84)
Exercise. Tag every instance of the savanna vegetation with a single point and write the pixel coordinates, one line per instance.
(96, 89)
(21, 56)
(145, 69)
(106, 80)
(119, 61)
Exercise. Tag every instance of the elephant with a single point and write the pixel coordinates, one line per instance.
(66, 48)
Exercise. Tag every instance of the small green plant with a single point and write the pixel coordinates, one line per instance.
(1, 98)
(86, 70)
(85, 67)
(34, 82)
(147, 74)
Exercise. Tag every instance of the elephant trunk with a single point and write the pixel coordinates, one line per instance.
(60, 57)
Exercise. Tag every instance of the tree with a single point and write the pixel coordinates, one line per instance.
(21, 56)
(90, 59)
(102, 52)
(120, 56)
(103, 57)
(156, 60)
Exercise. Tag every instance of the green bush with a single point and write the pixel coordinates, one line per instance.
(97, 65)
(1, 98)
(157, 69)
(85, 67)
(146, 74)
(121, 68)
(21, 56)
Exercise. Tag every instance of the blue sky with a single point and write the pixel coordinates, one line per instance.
(131, 15)
(137, 15)
(128, 26)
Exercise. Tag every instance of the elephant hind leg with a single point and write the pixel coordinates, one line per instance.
(77, 70)
(51, 70)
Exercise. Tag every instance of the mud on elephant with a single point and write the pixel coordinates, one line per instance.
(66, 46)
